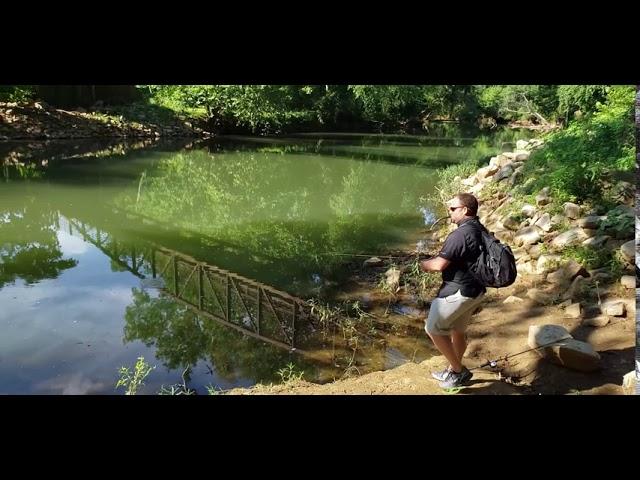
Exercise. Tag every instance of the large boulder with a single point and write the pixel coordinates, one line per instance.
(540, 335)
(574, 354)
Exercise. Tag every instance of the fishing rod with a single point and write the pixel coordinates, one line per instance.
(494, 363)
(371, 255)
(431, 227)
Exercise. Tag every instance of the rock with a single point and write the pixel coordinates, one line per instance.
(519, 252)
(547, 263)
(521, 144)
(505, 236)
(592, 221)
(571, 237)
(573, 310)
(543, 197)
(592, 311)
(628, 281)
(522, 156)
(486, 172)
(629, 383)
(500, 161)
(392, 279)
(471, 181)
(571, 210)
(373, 262)
(476, 189)
(524, 267)
(629, 250)
(558, 277)
(512, 299)
(544, 334)
(624, 190)
(558, 219)
(535, 251)
(597, 322)
(510, 222)
(596, 242)
(539, 296)
(505, 172)
(544, 222)
(574, 354)
(602, 277)
(615, 308)
(528, 210)
(573, 269)
(527, 236)
(574, 289)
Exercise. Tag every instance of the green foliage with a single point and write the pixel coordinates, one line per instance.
(133, 381)
(448, 186)
(425, 281)
(580, 97)
(177, 389)
(30, 249)
(290, 374)
(592, 259)
(388, 103)
(516, 102)
(619, 222)
(212, 390)
(276, 108)
(574, 162)
(257, 108)
(17, 93)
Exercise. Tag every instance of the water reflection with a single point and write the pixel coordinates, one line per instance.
(77, 281)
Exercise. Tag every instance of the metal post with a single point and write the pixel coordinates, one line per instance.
(228, 299)
(293, 324)
(259, 309)
(200, 288)
(175, 275)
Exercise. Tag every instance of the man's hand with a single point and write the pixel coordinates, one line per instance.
(436, 264)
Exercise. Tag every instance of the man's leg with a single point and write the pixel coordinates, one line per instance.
(446, 325)
(459, 341)
(458, 332)
(444, 345)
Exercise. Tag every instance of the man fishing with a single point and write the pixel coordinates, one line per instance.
(460, 293)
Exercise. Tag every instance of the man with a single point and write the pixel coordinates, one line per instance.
(460, 293)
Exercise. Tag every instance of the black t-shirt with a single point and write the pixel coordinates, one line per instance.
(460, 247)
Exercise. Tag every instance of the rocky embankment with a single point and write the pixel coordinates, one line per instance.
(38, 133)
(39, 121)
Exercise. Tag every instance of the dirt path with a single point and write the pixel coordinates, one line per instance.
(497, 331)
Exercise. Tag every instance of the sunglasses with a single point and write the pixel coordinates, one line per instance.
(453, 209)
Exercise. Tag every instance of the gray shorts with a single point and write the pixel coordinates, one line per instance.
(451, 313)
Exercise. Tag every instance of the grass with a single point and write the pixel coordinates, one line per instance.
(132, 381)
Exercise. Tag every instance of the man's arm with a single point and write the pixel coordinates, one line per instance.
(436, 264)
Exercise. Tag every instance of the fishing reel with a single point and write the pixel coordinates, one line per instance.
(489, 363)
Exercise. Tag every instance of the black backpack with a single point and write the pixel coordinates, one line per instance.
(496, 265)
